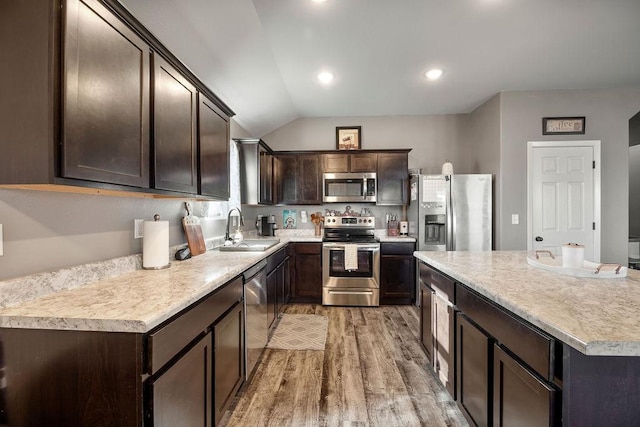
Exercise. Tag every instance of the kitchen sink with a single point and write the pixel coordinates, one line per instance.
(250, 245)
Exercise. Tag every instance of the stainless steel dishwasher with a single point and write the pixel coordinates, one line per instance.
(256, 315)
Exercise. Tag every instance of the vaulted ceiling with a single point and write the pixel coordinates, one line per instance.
(262, 56)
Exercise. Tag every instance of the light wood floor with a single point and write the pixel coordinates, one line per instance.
(372, 373)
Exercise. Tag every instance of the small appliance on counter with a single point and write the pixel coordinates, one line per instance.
(266, 225)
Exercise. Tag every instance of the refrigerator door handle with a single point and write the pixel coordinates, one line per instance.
(451, 221)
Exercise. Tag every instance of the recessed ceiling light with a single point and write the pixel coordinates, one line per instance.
(319, 1)
(433, 74)
(325, 77)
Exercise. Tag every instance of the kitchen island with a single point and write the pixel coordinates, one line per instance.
(587, 329)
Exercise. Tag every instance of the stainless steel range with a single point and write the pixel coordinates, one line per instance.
(350, 261)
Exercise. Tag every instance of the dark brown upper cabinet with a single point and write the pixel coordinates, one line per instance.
(299, 179)
(393, 179)
(77, 105)
(356, 162)
(174, 129)
(105, 97)
(213, 137)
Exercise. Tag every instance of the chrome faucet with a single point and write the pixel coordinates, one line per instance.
(226, 236)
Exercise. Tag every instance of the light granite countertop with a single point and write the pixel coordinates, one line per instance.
(135, 301)
(594, 316)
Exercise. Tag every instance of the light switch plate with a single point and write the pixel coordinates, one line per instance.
(515, 219)
(138, 226)
(303, 216)
(1, 241)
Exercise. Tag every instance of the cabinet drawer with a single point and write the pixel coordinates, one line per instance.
(531, 346)
(309, 248)
(437, 281)
(397, 248)
(172, 337)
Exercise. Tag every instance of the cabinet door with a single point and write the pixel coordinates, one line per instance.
(266, 178)
(308, 271)
(519, 397)
(397, 279)
(473, 356)
(364, 162)
(281, 286)
(286, 282)
(393, 178)
(174, 117)
(309, 180)
(287, 179)
(426, 313)
(213, 137)
(336, 163)
(228, 370)
(272, 289)
(182, 394)
(105, 97)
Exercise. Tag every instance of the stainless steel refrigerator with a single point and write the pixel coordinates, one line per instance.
(451, 212)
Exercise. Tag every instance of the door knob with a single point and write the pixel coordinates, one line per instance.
(539, 239)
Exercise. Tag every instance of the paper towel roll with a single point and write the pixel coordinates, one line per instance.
(572, 255)
(155, 245)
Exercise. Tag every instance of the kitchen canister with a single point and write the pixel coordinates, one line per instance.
(572, 255)
(155, 244)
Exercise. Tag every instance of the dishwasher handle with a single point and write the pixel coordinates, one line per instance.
(252, 271)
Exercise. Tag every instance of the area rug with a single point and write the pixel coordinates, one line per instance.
(300, 332)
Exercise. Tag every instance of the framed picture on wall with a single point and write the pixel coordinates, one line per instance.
(349, 138)
(563, 125)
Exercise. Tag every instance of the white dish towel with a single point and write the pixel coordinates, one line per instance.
(350, 257)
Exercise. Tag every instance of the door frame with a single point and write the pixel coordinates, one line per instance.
(595, 144)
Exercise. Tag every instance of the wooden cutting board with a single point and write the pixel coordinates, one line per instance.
(193, 231)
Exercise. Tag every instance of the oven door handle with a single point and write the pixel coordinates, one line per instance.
(331, 291)
(341, 247)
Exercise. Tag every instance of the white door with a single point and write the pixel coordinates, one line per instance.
(562, 198)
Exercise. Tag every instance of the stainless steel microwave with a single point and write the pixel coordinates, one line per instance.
(349, 187)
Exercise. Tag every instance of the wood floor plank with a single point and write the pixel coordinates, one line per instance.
(372, 373)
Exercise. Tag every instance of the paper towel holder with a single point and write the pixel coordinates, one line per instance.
(156, 218)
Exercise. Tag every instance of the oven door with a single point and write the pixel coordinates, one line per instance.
(335, 275)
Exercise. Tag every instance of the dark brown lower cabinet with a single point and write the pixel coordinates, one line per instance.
(307, 270)
(182, 394)
(397, 273)
(474, 377)
(519, 397)
(228, 365)
(426, 338)
(184, 372)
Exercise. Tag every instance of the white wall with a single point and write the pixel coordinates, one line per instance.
(607, 115)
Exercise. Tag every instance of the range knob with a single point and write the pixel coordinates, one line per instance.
(359, 220)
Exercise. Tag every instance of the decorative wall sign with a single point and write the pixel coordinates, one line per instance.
(289, 218)
(349, 138)
(563, 125)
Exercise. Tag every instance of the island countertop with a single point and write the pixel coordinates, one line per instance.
(594, 316)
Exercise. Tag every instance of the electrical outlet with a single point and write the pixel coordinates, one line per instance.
(138, 226)
(515, 219)
(1, 240)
